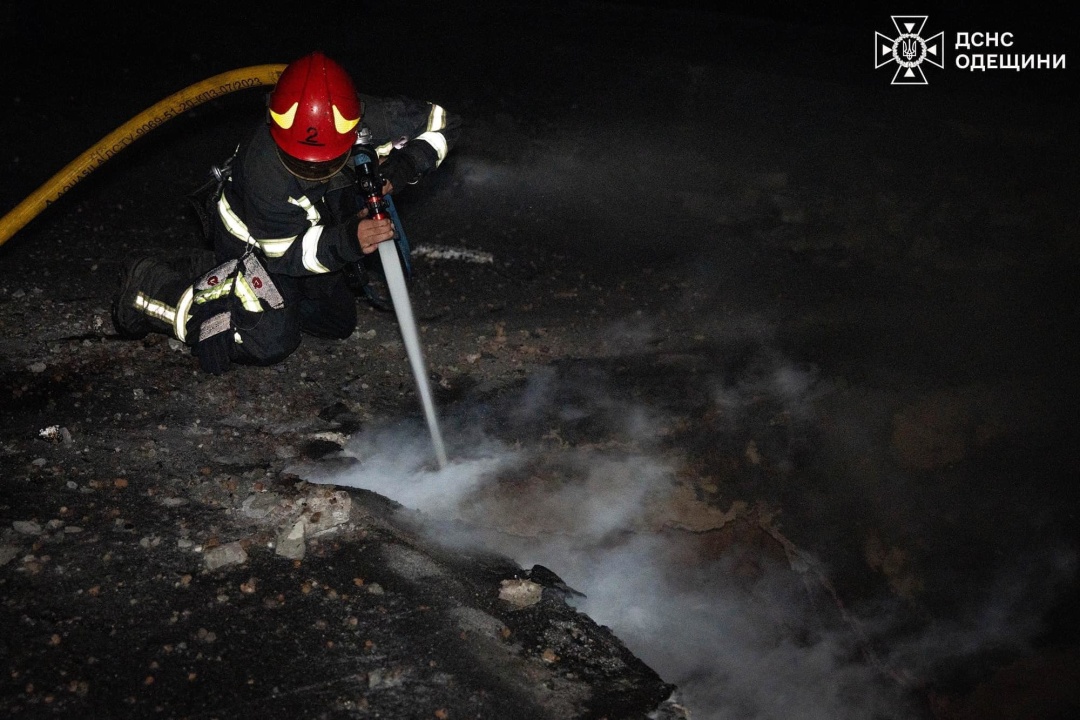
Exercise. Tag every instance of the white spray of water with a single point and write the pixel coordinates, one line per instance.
(399, 294)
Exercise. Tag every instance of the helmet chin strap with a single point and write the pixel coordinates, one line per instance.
(331, 167)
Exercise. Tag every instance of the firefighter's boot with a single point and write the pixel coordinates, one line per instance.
(151, 298)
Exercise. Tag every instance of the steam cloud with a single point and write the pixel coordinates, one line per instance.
(762, 647)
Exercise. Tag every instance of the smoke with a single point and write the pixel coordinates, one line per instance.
(706, 590)
(396, 463)
(1003, 620)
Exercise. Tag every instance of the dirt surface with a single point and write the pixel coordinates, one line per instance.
(757, 377)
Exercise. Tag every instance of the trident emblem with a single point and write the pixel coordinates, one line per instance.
(909, 46)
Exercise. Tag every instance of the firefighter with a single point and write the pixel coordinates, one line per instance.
(285, 223)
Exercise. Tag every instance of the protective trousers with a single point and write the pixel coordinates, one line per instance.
(263, 330)
(320, 305)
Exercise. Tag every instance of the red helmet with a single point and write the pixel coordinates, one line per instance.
(314, 110)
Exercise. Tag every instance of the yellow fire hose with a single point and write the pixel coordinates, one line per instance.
(123, 136)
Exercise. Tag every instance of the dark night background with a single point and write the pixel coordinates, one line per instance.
(730, 258)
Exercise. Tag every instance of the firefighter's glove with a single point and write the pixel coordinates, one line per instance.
(212, 335)
(399, 169)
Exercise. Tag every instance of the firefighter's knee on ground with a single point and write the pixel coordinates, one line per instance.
(266, 338)
(338, 332)
(265, 355)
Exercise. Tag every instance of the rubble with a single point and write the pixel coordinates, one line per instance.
(224, 556)
(520, 593)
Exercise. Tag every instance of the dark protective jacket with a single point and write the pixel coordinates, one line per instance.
(285, 217)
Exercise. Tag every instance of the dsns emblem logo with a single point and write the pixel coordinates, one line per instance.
(908, 50)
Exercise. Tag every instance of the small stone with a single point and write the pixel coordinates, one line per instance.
(520, 593)
(26, 527)
(290, 541)
(327, 512)
(259, 505)
(224, 555)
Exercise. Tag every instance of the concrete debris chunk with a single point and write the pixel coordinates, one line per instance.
(259, 505)
(26, 527)
(290, 541)
(381, 679)
(339, 439)
(55, 434)
(7, 554)
(326, 510)
(224, 555)
(520, 593)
